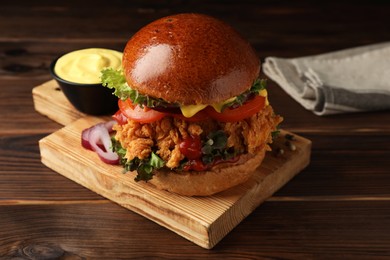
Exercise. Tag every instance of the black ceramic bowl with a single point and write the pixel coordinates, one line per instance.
(92, 99)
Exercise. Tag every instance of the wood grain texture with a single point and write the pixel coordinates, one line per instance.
(276, 230)
(204, 221)
(336, 208)
(50, 101)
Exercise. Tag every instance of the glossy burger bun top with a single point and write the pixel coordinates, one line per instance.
(189, 59)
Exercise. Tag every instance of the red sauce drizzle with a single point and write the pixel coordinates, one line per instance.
(191, 147)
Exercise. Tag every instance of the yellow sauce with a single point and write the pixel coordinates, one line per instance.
(264, 93)
(84, 66)
(190, 110)
(218, 106)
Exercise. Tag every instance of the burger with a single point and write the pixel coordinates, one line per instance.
(194, 117)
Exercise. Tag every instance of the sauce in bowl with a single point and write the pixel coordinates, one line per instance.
(84, 66)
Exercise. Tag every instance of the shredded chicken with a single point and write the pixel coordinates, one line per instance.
(250, 134)
(165, 135)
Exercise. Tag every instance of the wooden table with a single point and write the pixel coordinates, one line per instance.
(338, 207)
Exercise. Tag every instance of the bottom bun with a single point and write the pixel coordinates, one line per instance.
(205, 183)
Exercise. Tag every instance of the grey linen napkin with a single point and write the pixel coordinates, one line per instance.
(351, 80)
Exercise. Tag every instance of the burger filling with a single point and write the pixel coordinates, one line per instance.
(152, 133)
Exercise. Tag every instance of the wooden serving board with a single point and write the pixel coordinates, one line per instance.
(51, 102)
(202, 220)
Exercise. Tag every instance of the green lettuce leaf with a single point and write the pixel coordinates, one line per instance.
(257, 86)
(144, 167)
(215, 148)
(156, 162)
(115, 79)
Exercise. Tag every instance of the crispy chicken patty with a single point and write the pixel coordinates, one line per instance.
(164, 136)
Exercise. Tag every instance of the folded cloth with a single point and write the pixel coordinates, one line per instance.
(351, 80)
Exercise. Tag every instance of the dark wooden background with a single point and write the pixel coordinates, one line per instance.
(337, 208)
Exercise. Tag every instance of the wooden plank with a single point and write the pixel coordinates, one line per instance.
(276, 230)
(204, 221)
(361, 228)
(51, 102)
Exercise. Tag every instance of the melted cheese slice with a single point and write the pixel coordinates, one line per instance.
(191, 110)
(218, 106)
(264, 93)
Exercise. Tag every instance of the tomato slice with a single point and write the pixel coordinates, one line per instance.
(139, 114)
(147, 115)
(119, 117)
(248, 109)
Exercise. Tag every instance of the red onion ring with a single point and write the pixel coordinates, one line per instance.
(97, 138)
